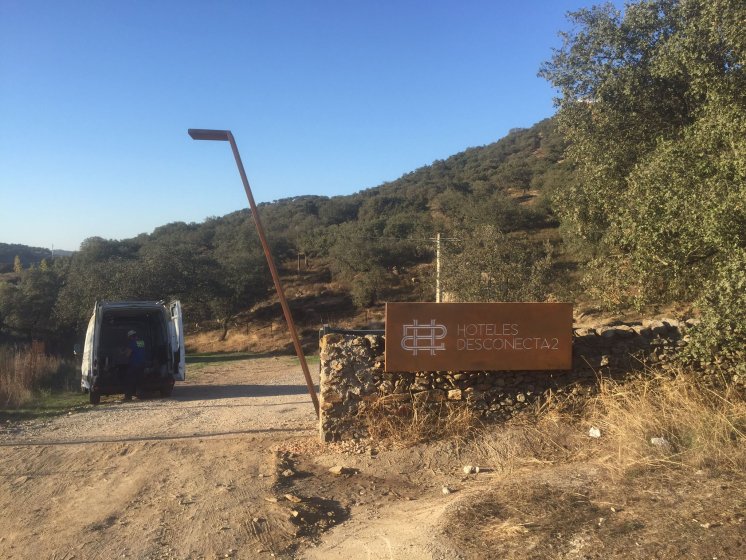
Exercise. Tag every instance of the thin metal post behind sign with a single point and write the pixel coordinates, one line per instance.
(198, 134)
(437, 268)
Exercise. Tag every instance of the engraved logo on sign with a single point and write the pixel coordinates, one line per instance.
(417, 338)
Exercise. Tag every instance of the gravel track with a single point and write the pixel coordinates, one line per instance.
(184, 477)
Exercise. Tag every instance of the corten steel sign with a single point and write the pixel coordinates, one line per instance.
(478, 336)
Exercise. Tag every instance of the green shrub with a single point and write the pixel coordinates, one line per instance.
(721, 334)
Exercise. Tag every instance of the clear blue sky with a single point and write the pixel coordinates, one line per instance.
(323, 97)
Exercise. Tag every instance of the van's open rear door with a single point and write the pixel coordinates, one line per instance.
(90, 357)
(177, 341)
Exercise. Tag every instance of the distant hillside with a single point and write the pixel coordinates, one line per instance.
(502, 189)
(500, 178)
(28, 255)
(491, 205)
(506, 183)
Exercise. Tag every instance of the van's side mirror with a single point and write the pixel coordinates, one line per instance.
(76, 350)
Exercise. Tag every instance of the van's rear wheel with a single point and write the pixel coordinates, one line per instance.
(166, 391)
(94, 396)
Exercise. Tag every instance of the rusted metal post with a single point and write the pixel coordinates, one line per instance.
(228, 135)
(438, 296)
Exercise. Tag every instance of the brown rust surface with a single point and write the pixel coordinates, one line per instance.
(478, 336)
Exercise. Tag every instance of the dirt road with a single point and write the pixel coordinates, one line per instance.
(230, 467)
(187, 477)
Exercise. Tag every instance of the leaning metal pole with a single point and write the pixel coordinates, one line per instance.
(270, 261)
(275, 276)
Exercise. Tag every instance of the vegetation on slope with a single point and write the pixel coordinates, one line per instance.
(13, 256)
(642, 169)
(653, 105)
(217, 268)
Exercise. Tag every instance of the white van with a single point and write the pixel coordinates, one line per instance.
(157, 323)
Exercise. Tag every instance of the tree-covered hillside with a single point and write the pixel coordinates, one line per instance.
(14, 255)
(217, 269)
(505, 186)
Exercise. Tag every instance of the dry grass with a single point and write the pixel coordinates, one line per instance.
(266, 339)
(404, 424)
(503, 529)
(238, 340)
(23, 370)
(531, 439)
(698, 424)
(658, 420)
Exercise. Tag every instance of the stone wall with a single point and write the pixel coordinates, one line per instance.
(352, 373)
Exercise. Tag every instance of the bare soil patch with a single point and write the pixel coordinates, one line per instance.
(579, 512)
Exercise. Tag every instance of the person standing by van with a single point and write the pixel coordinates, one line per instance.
(135, 363)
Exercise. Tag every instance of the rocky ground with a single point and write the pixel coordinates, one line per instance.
(231, 467)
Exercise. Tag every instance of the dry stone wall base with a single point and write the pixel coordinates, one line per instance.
(352, 373)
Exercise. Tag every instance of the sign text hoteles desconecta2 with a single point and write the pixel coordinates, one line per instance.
(478, 336)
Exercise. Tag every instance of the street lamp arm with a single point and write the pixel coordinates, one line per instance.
(207, 134)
